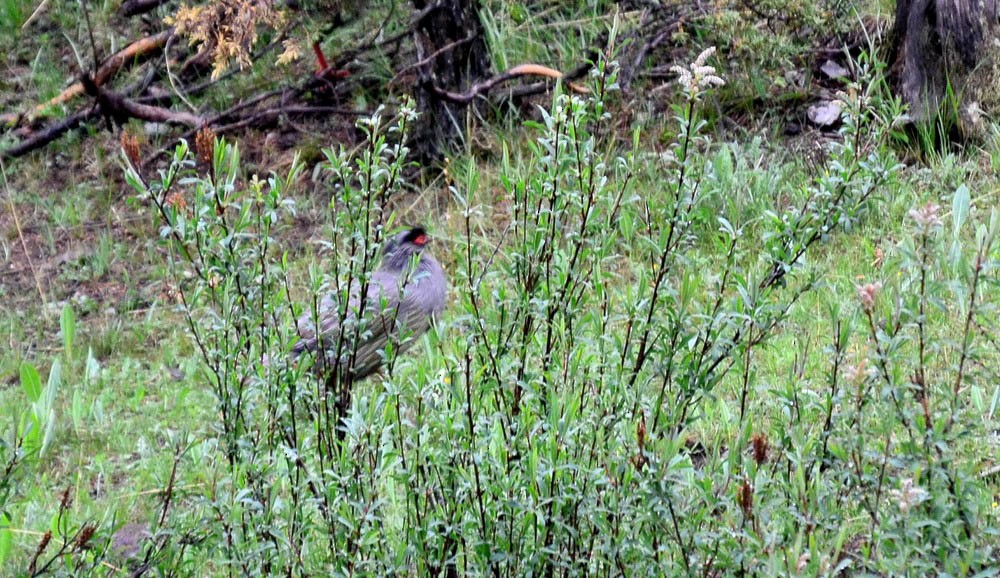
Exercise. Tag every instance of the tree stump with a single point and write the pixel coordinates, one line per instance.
(451, 51)
(942, 55)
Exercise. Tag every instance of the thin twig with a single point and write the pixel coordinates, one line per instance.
(170, 78)
(425, 61)
(90, 35)
(35, 14)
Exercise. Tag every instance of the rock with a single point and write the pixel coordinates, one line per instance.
(795, 78)
(833, 70)
(825, 113)
(156, 129)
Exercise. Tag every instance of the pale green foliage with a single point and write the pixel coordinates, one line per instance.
(611, 389)
(591, 336)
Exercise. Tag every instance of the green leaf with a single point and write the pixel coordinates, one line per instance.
(31, 382)
(93, 371)
(67, 322)
(6, 539)
(978, 399)
(52, 386)
(994, 403)
(50, 432)
(959, 208)
(78, 410)
(31, 431)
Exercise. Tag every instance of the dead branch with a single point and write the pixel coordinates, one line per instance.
(659, 22)
(430, 58)
(322, 110)
(194, 62)
(240, 119)
(287, 102)
(524, 90)
(121, 109)
(144, 47)
(38, 11)
(230, 112)
(50, 133)
(416, 20)
(125, 104)
(257, 118)
(141, 48)
(485, 86)
(271, 114)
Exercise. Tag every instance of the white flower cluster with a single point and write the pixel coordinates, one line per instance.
(927, 217)
(867, 294)
(908, 495)
(698, 76)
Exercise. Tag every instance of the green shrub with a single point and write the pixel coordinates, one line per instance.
(573, 414)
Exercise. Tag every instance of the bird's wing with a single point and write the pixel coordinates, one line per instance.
(378, 320)
(392, 313)
(329, 320)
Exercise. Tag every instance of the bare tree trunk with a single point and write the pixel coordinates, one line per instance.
(936, 46)
(452, 52)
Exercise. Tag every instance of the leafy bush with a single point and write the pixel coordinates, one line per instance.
(574, 414)
(26, 445)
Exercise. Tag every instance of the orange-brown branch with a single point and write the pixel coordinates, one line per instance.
(143, 47)
(515, 72)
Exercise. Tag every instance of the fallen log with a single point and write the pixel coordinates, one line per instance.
(121, 109)
(144, 47)
(50, 133)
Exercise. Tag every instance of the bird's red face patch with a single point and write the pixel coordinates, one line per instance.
(420, 240)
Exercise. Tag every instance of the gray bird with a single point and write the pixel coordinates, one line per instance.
(403, 297)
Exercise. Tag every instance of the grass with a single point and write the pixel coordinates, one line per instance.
(120, 451)
(505, 471)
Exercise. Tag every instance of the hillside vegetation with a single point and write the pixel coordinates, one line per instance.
(688, 332)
